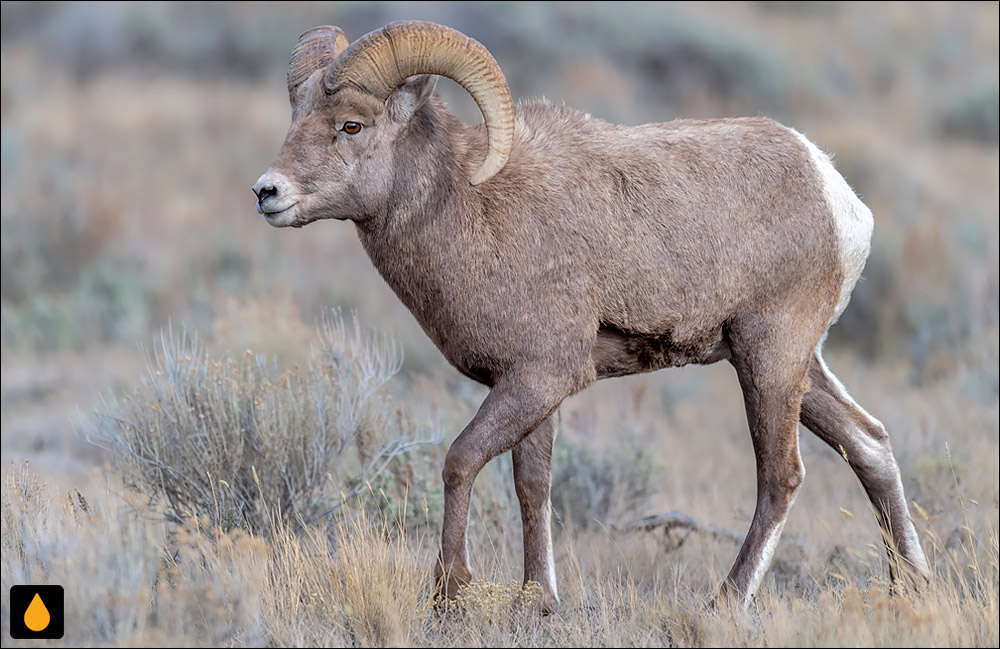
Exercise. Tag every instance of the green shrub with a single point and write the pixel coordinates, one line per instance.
(591, 488)
(975, 115)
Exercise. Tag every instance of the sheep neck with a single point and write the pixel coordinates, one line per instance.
(417, 241)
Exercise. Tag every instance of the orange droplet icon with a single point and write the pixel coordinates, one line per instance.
(37, 616)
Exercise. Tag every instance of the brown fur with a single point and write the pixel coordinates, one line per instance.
(597, 251)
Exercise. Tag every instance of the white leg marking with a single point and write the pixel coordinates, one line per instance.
(770, 545)
(872, 444)
(877, 454)
(763, 562)
(550, 560)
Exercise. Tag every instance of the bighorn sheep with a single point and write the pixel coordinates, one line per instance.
(551, 249)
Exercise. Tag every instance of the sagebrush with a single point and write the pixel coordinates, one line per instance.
(217, 436)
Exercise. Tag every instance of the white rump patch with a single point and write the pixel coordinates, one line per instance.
(851, 218)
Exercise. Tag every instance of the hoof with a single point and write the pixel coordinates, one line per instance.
(547, 604)
(913, 580)
(536, 598)
(449, 582)
(730, 599)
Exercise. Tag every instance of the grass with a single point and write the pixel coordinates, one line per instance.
(131, 135)
(131, 580)
(207, 528)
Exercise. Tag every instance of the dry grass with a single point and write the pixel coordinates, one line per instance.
(132, 580)
(131, 135)
(139, 570)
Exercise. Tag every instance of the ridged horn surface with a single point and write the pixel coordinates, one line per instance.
(317, 48)
(378, 62)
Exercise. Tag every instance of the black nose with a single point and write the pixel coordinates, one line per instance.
(265, 192)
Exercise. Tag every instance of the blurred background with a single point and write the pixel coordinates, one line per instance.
(132, 132)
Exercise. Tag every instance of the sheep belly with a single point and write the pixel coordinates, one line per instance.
(619, 353)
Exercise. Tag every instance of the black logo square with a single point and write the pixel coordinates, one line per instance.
(36, 612)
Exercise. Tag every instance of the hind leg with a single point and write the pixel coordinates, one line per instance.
(830, 412)
(771, 362)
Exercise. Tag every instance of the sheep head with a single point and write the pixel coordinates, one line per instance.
(350, 105)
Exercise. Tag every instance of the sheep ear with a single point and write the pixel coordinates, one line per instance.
(410, 96)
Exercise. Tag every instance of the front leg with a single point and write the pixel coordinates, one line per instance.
(533, 483)
(517, 405)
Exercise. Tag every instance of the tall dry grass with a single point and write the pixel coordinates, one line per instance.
(133, 580)
(168, 551)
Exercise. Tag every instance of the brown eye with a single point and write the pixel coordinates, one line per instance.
(351, 128)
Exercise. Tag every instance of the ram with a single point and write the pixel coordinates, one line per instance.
(548, 249)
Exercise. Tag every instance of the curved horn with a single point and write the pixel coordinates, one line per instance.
(378, 62)
(317, 48)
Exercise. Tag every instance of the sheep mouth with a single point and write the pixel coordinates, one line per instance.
(270, 210)
(282, 217)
